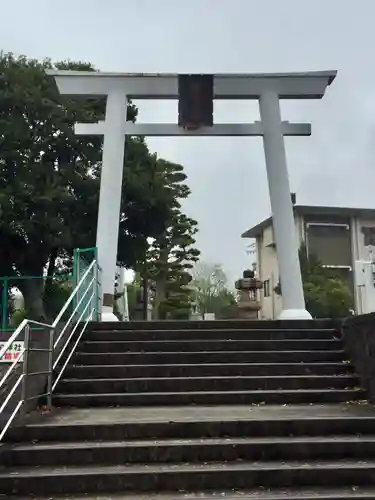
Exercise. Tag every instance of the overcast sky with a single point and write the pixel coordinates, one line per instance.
(335, 166)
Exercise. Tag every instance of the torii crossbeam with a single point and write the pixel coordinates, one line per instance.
(266, 88)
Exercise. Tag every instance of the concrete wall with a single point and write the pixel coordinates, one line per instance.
(359, 339)
(364, 252)
(360, 251)
(269, 271)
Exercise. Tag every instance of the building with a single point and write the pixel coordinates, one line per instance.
(338, 236)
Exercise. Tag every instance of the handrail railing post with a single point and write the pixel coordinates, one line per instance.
(50, 368)
(99, 292)
(25, 369)
(77, 271)
(4, 305)
(74, 273)
(96, 285)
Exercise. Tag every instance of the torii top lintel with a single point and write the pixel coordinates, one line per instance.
(310, 85)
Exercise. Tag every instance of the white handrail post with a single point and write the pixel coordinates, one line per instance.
(97, 292)
(100, 293)
(126, 303)
(25, 370)
(50, 368)
(78, 277)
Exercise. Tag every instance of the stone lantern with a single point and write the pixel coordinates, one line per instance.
(248, 303)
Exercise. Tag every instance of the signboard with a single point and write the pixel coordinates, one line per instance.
(209, 316)
(13, 352)
(196, 101)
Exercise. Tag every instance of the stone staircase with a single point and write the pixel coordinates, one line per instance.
(168, 410)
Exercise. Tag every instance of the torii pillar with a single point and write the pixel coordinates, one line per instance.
(110, 195)
(267, 88)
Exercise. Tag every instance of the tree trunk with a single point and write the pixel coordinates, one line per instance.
(52, 263)
(145, 297)
(161, 285)
(32, 290)
(160, 298)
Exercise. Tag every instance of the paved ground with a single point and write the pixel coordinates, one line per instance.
(201, 413)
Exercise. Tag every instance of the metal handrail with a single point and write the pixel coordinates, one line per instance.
(72, 295)
(94, 301)
(74, 347)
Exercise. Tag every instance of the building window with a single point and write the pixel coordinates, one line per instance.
(369, 236)
(266, 288)
(330, 243)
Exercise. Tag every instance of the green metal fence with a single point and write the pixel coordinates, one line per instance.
(53, 292)
(82, 259)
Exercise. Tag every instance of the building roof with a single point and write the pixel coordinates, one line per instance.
(255, 231)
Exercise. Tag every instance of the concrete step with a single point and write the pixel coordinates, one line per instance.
(332, 493)
(209, 345)
(144, 414)
(199, 429)
(190, 450)
(206, 370)
(151, 358)
(188, 477)
(198, 422)
(196, 384)
(209, 334)
(209, 398)
(231, 324)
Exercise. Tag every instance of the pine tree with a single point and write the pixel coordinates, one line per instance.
(172, 254)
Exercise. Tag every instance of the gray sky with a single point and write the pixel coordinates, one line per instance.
(227, 175)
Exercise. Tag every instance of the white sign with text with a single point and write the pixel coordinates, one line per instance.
(13, 353)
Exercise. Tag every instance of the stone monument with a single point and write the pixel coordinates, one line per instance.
(248, 303)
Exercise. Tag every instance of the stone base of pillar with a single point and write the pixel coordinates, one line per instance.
(249, 310)
(108, 316)
(295, 314)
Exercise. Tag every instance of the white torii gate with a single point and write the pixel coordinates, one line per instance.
(266, 88)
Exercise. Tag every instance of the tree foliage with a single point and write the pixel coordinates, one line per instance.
(49, 179)
(42, 167)
(326, 295)
(211, 292)
(172, 254)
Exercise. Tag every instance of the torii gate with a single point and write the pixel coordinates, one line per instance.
(266, 88)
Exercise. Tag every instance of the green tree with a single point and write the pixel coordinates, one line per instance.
(42, 165)
(172, 254)
(211, 292)
(146, 203)
(49, 179)
(133, 292)
(326, 294)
